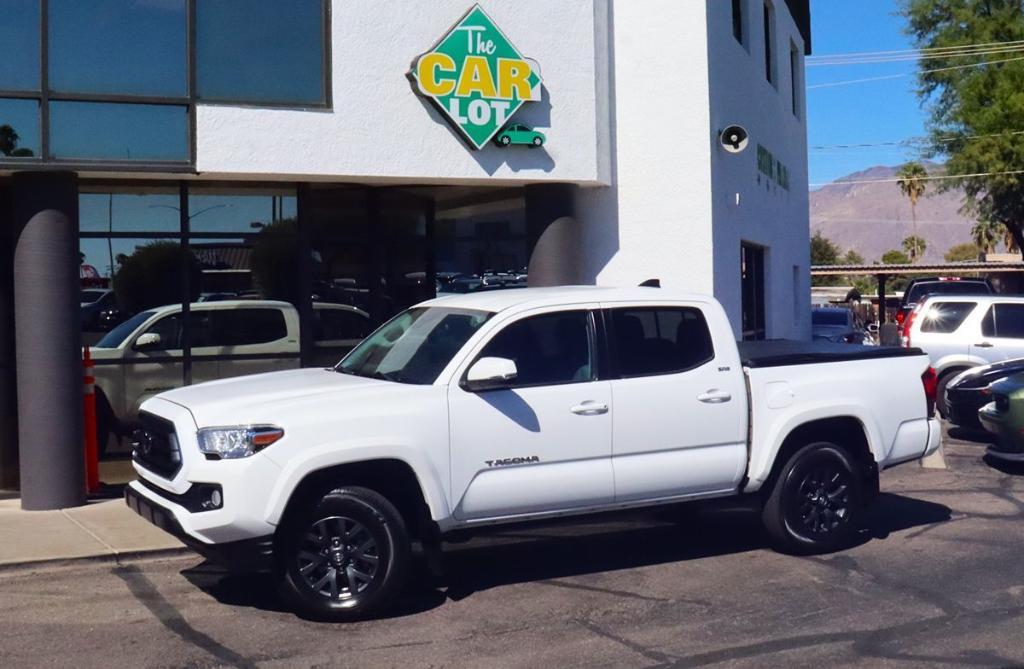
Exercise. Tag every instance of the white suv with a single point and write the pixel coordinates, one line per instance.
(961, 331)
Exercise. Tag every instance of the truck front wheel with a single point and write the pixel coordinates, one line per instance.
(817, 502)
(346, 558)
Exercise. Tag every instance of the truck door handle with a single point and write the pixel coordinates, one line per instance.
(714, 397)
(589, 408)
(985, 344)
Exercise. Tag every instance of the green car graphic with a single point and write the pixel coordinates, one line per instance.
(520, 134)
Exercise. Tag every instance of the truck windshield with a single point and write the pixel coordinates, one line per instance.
(414, 346)
(116, 337)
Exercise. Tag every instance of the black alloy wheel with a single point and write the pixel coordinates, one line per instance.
(817, 503)
(345, 559)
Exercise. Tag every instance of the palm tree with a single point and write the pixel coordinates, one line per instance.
(987, 234)
(8, 140)
(913, 246)
(911, 180)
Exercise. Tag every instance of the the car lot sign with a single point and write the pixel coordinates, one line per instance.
(477, 77)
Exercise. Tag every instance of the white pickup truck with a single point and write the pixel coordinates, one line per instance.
(474, 410)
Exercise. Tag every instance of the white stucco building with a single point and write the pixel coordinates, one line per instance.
(375, 154)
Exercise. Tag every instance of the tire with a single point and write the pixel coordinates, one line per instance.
(940, 391)
(105, 423)
(505, 140)
(325, 577)
(537, 141)
(817, 503)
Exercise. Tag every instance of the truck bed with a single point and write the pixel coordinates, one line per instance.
(782, 352)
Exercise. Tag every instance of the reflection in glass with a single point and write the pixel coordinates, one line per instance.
(118, 47)
(19, 128)
(482, 248)
(258, 51)
(19, 45)
(127, 210)
(114, 131)
(231, 211)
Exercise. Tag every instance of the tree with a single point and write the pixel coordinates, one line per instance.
(151, 276)
(986, 235)
(914, 246)
(975, 110)
(966, 252)
(824, 252)
(852, 258)
(911, 181)
(8, 140)
(894, 257)
(275, 259)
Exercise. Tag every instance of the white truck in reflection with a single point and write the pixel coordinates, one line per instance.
(143, 356)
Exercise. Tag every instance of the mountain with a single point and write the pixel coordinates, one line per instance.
(874, 218)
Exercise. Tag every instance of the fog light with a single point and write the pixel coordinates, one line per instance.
(213, 500)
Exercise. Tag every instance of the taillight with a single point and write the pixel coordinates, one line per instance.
(908, 322)
(930, 381)
(901, 315)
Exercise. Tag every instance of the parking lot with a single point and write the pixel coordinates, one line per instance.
(938, 579)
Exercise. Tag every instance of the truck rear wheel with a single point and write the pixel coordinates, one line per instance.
(817, 502)
(346, 558)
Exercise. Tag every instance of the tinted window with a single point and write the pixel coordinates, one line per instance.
(116, 337)
(260, 51)
(1004, 320)
(830, 317)
(945, 317)
(118, 47)
(19, 45)
(339, 324)
(245, 327)
(921, 290)
(660, 340)
(548, 349)
(19, 128)
(114, 131)
(169, 329)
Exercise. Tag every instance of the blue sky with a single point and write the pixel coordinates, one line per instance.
(871, 112)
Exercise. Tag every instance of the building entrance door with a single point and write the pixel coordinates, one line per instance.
(752, 285)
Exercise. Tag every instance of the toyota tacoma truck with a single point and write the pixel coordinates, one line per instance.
(470, 411)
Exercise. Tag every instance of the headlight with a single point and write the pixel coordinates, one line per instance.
(237, 442)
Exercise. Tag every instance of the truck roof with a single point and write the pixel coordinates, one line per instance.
(500, 300)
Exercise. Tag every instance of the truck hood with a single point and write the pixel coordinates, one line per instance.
(240, 399)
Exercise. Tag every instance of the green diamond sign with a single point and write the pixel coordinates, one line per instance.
(477, 77)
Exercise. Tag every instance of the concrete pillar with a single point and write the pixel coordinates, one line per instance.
(8, 395)
(554, 235)
(48, 340)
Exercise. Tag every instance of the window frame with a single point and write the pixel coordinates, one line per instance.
(45, 161)
(597, 370)
(612, 344)
(991, 316)
(738, 21)
(770, 48)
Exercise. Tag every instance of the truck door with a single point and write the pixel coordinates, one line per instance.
(680, 423)
(543, 444)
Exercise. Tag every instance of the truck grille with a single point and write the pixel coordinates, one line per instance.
(155, 446)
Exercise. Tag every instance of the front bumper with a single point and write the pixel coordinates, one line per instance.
(256, 554)
(963, 407)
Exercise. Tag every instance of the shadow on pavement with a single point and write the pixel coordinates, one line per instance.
(1010, 468)
(536, 553)
(975, 435)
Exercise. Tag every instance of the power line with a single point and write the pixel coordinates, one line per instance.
(918, 57)
(935, 177)
(907, 74)
(914, 141)
(926, 50)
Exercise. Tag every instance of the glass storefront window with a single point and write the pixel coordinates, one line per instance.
(19, 128)
(253, 51)
(229, 211)
(118, 47)
(19, 45)
(482, 247)
(150, 210)
(115, 131)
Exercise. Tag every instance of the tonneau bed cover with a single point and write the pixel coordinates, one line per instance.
(783, 352)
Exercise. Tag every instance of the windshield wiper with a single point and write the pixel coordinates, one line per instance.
(383, 376)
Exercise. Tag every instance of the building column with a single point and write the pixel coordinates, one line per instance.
(48, 340)
(8, 395)
(553, 234)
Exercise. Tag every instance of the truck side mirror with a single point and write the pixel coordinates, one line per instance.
(490, 374)
(146, 341)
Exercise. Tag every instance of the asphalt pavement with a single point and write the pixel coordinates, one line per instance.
(938, 580)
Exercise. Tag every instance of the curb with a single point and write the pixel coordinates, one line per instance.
(115, 558)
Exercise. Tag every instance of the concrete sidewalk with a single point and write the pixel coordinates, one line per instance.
(105, 529)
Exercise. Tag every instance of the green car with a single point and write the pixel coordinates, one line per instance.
(520, 134)
(1004, 417)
